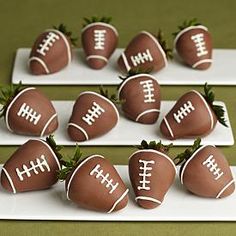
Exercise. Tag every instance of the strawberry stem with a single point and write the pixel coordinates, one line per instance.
(95, 19)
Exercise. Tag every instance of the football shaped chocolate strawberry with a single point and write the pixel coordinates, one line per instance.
(94, 183)
(145, 51)
(151, 173)
(93, 115)
(193, 115)
(205, 171)
(99, 40)
(193, 44)
(51, 51)
(27, 111)
(141, 95)
(33, 166)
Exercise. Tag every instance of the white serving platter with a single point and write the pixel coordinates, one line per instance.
(179, 205)
(126, 132)
(222, 71)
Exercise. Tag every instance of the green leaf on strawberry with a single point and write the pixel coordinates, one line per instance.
(56, 148)
(95, 19)
(112, 97)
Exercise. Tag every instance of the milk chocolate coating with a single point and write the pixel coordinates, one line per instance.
(90, 190)
(39, 103)
(99, 125)
(188, 50)
(140, 44)
(55, 58)
(97, 57)
(37, 178)
(141, 103)
(161, 174)
(202, 179)
(198, 122)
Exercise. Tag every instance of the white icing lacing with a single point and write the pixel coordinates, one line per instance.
(104, 178)
(47, 42)
(183, 111)
(200, 44)
(144, 174)
(211, 164)
(141, 58)
(99, 38)
(41, 163)
(148, 91)
(95, 111)
(29, 114)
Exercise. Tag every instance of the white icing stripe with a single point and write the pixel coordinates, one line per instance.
(101, 24)
(134, 77)
(42, 63)
(187, 29)
(201, 62)
(207, 106)
(118, 201)
(225, 187)
(66, 43)
(72, 176)
(148, 199)
(96, 57)
(186, 163)
(79, 128)
(47, 124)
(157, 152)
(127, 66)
(11, 104)
(9, 180)
(168, 127)
(158, 46)
(145, 112)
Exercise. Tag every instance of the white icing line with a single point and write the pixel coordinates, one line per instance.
(118, 201)
(101, 24)
(11, 104)
(187, 29)
(168, 127)
(201, 62)
(148, 199)
(158, 46)
(225, 187)
(134, 77)
(9, 180)
(145, 112)
(127, 66)
(47, 124)
(207, 106)
(72, 176)
(79, 128)
(42, 63)
(186, 163)
(157, 152)
(96, 57)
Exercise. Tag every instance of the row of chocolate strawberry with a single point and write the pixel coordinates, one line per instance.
(27, 111)
(52, 50)
(95, 184)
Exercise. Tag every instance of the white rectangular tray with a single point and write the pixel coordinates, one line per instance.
(125, 133)
(222, 71)
(179, 205)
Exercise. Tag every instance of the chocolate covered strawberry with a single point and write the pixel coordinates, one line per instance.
(27, 111)
(94, 183)
(93, 115)
(205, 171)
(193, 115)
(140, 93)
(145, 51)
(51, 51)
(193, 44)
(151, 173)
(33, 166)
(99, 40)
